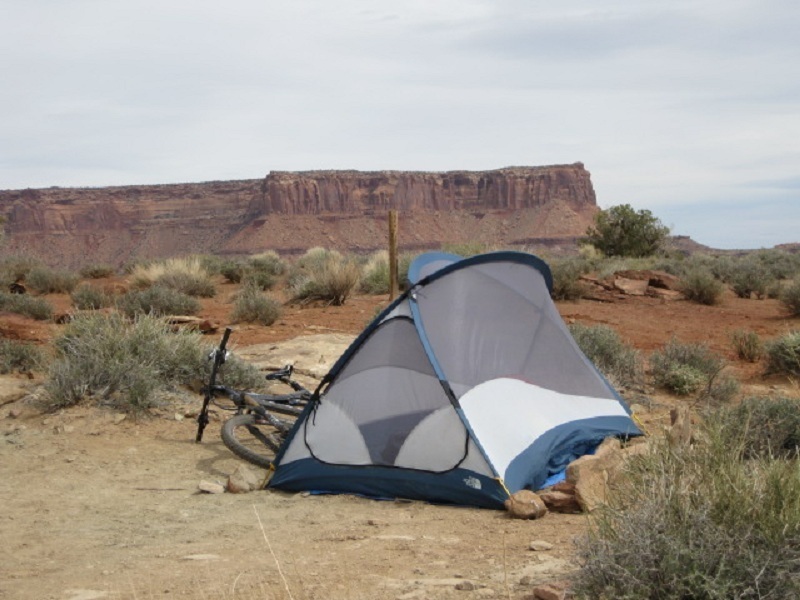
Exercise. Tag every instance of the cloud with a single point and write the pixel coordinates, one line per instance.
(668, 105)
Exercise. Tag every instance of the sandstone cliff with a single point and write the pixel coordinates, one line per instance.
(291, 212)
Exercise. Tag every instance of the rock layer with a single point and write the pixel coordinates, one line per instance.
(291, 212)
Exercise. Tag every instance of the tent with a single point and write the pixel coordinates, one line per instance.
(467, 388)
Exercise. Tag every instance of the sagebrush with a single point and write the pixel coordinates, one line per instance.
(124, 363)
(619, 362)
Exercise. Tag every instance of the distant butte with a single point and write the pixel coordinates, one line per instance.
(293, 211)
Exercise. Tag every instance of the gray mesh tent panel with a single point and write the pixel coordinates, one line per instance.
(469, 387)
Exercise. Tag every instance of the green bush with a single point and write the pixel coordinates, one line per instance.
(747, 345)
(18, 356)
(566, 278)
(157, 300)
(268, 262)
(26, 305)
(252, 306)
(686, 369)
(90, 297)
(263, 280)
(128, 364)
(45, 280)
(324, 275)
(778, 263)
(623, 231)
(232, 271)
(198, 285)
(700, 285)
(696, 522)
(783, 354)
(16, 267)
(375, 278)
(790, 298)
(766, 427)
(97, 271)
(620, 363)
(751, 278)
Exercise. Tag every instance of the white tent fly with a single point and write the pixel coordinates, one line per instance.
(469, 387)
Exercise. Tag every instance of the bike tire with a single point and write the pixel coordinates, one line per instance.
(250, 441)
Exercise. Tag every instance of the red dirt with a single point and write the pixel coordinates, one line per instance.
(95, 508)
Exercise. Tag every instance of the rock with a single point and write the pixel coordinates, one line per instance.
(289, 212)
(632, 287)
(312, 355)
(550, 592)
(540, 546)
(210, 487)
(119, 418)
(191, 323)
(525, 504)
(560, 502)
(592, 474)
(243, 480)
(466, 586)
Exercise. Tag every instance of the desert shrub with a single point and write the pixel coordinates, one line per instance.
(97, 271)
(778, 263)
(26, 305)
(620, 363)
(747, 345)
(18, 356)
(186, 275)
(783, 354)
(90, 297)
(45, 280)
(790, 298)
(157, 300)
(686, 369)
(566, 278)
(696, 521)
(121, 363)
(15, 267)
(700, 285)
(211, 263)
(375, 278)
(232, 271)
(252, 306)
(268, 262)
(766, 427)
(263, 280)
(750, 278)
(198, 285)
(465, 249)
(403, 263)
(324, 275)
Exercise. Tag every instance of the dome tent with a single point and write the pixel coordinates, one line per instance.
(466, 389)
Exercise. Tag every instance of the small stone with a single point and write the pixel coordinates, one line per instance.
(118, 418)
(549, 592)
(540, 546)
(14, 413)
(179, 417)
(465, 586)
(210, 487)
(242, 480)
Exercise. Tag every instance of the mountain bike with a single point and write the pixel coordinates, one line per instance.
(261, 422)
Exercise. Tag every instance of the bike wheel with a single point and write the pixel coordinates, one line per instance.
(252, 441)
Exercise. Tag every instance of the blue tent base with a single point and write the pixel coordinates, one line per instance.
(459, 486)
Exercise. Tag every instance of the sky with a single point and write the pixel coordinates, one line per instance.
(689, 109)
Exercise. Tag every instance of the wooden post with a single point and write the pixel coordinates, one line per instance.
(394, 287)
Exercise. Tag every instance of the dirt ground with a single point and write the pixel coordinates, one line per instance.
(99, 506)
